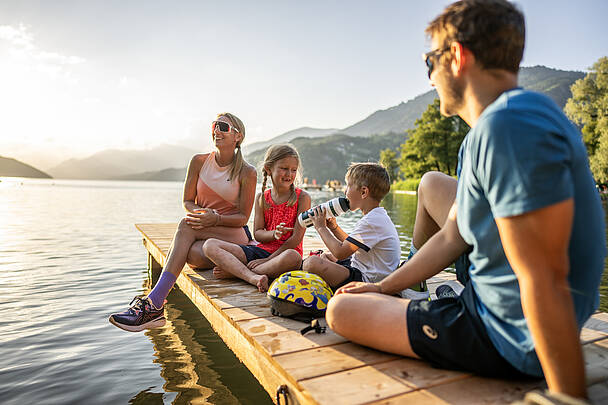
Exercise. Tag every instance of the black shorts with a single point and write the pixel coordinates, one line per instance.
(449, 333)
(354, 274)
(253, 252)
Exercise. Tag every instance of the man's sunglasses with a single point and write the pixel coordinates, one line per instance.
(223, 126)
(429, 56)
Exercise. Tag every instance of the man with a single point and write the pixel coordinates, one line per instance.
(526, 213)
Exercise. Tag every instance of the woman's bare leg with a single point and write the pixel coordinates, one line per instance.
(436, 194)
(374, 320)
(231, 258)
(184, 239)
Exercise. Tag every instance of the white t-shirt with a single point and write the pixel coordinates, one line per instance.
(379, 249)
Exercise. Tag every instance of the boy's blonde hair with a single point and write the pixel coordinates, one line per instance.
(272, 156)
(371, 175)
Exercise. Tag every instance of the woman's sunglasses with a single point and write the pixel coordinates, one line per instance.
(429, 56)
(222, 126)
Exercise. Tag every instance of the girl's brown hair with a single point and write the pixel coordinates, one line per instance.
(272, 156)
(237, 162)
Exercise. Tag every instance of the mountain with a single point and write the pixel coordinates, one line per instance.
(396, 119)
(13, 168)
(171, 174)
(114, 163)
(288, 136)
(327, 158)
(552, 82)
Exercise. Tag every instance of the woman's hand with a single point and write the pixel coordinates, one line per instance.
(255, 263)
(319, 217)
(203, 218)
(280, 230)
(359, 287)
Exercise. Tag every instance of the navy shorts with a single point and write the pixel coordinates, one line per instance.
(449, 333)
(354, 274)
(253, 252)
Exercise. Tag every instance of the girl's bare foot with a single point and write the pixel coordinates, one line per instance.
(219, 273)
(262, 283)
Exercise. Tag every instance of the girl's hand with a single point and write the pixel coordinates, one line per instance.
(319, 217)
(280, 230)
(359, 287)
(255, 263)
(202, 218)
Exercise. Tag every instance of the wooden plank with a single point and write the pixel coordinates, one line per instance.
(356, 386)
(291, 341)
(470, 391)
(326, 360)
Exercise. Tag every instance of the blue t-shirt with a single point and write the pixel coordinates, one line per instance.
(524, 155)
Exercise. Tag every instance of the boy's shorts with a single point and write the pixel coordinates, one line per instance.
(253, 252)
(449, 333)
(354, 274)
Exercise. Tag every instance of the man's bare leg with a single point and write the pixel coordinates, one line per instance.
(436, 194)
(373, 320)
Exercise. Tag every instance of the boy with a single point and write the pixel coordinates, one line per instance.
(372, 250)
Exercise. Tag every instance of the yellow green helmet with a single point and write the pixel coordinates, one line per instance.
(300, 295)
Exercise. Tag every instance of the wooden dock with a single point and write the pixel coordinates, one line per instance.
(328, 369)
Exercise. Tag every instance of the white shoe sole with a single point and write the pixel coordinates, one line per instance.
(456, 286)
(155, 323)
(415, 295)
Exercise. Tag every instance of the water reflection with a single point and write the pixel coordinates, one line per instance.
(196, 365)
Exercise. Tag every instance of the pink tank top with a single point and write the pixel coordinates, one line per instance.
(214, 188)
(274, 215)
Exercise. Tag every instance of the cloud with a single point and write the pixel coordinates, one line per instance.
(20, 43)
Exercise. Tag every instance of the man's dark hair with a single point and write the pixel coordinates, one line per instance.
(493, 30)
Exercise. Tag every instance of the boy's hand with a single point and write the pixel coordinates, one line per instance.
(319, 218)
(359, 287)
(331, 223)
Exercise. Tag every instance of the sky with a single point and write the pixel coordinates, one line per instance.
(77, 77)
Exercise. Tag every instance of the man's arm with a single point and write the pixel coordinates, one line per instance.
(536, 245)
(435, 255)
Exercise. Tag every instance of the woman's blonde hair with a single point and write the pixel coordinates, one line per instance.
(272, 156)
(238, 161)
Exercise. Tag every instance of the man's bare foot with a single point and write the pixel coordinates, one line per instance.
(262, 283)
(219, 273)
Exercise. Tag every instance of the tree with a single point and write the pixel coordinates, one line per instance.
(388, 159)
(433, 144)
(588, 107)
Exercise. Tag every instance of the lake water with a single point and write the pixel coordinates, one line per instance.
(69, 256)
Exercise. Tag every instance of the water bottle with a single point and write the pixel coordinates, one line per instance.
(333, 208)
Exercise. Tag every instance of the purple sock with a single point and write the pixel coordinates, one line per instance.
(160, 291)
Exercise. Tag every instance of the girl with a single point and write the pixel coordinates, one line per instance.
(218, 196)
(275, 226)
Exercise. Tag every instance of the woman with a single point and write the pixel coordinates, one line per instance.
(218, 196)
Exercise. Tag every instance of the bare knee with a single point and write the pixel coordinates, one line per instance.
(292, 258)
(312, 264)
(211, 247)
(338, 310)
